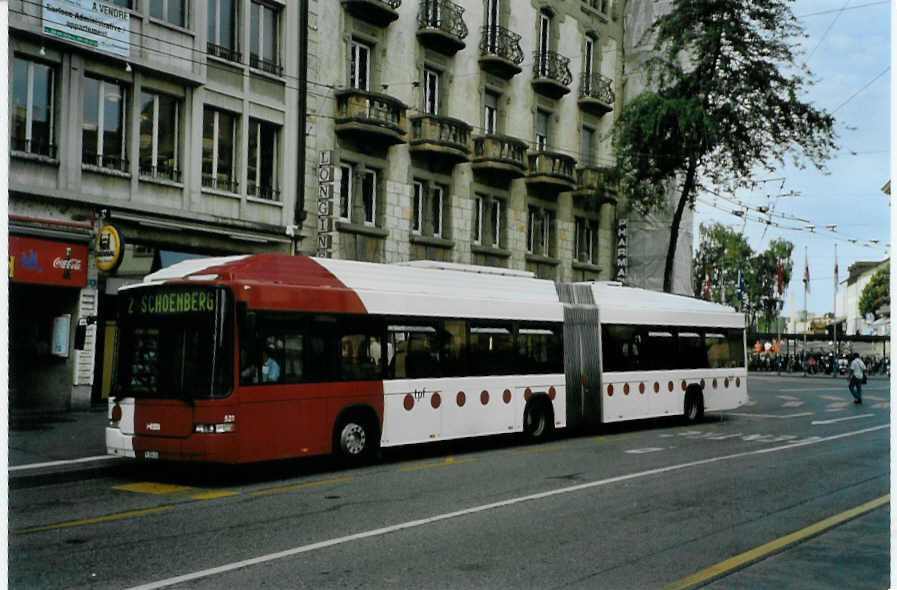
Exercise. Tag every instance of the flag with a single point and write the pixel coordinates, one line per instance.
(740, 289)
(706, 283)
(722, 288)
(806, 276)
(780, 277)
(836, 268)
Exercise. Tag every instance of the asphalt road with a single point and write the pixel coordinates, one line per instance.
(789, 492)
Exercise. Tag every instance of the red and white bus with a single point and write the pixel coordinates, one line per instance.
(254, 358)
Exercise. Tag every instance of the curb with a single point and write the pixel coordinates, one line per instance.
(65, 471)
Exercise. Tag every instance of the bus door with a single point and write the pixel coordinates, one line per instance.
(582, 364)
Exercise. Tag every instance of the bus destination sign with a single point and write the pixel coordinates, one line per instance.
(171, 302)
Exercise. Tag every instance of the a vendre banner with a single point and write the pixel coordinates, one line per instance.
(47, 262)
(100, 26)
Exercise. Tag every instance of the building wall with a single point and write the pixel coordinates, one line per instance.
(399, 58)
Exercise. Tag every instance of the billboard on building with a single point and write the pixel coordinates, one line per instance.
(100, 26)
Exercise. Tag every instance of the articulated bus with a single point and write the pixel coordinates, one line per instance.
(256, 358)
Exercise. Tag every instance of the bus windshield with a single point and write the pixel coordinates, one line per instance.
(175, 341)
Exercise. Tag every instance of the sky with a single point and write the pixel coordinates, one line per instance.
(848, 52)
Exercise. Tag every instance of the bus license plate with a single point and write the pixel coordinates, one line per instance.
(150, 454)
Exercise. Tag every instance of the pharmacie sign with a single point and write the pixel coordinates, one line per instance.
(100, 26)
(622, 250)
(47, 262)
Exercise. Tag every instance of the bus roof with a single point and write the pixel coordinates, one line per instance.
(630, 305)
(388, 289)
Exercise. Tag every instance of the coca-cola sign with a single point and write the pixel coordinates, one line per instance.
(47, 262)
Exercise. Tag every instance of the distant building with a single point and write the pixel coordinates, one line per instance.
(858, 276)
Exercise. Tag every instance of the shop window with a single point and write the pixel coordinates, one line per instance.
(32, 113)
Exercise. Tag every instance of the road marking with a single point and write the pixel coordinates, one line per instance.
(95, 520)
(214, 495)
(781, 416)
(67, 462)
(149, 487)
(833, 420)
(762, 551)
(448, 461)
(880, 406)
(794, 404)
(310, 484)
(787, 397)
(540, 450)
(233, 566)
(646, 450)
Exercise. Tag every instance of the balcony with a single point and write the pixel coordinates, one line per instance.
(500, 52)
(440, 26)
(596, 93)
(270, 66)
(447, 138)
(498, 157)
(370, 117)
(376, 12)
(550, 171)
(551, 74)
(595, 185)
(222, 52)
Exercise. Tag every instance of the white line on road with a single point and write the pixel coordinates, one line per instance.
(833, 420)
(477, 509)
(769, 415)
(66, 462)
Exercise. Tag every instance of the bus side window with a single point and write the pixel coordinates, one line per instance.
(412, 352)
(361, 357)
(293, 360)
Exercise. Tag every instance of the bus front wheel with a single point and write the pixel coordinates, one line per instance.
(354, 439)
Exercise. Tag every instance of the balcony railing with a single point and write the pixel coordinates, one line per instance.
(551, 170)
(378, 12)
(260, 191)
(227, 185)
(371, 114)
(595, 185)
(272, 67)
(33, 146)
(500, 51)
(597, 91)
(103, 161)
(433, 133)
(441, 25)
(551, 73)
(499, 155)
(224, 52)
(160, 172)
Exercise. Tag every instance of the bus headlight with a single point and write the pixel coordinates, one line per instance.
(213, 428)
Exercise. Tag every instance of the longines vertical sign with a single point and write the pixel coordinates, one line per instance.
(325, 205)
(622, 251)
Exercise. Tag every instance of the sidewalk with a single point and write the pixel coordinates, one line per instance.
(46, 446)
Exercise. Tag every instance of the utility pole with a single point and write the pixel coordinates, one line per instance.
(835, 359)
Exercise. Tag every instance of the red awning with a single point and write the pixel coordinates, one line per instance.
(47, 262)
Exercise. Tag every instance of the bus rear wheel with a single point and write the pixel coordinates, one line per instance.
(694, 406)
(537, 421)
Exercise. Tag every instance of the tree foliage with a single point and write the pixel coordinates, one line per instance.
(877, 292)
(723, 252)
(726, 105)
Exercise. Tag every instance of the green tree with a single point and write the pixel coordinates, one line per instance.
(876, 293)
(726, 106)
(721, 252)
(761, 285)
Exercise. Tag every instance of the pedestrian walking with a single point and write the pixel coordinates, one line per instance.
(857, 378)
